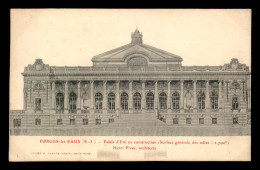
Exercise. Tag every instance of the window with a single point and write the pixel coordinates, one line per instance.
(111, 101)
(72, 121)
(124, 101)
(111, 120)
(175, 121)
(59, 121)
(98, 101)
(150, 101)
(201, 120)
(235, 103)
(188, 120)
(85, 121)
(72, 102)
(59, 103)
(37, 104)
(175, 100)
(163, 101)
(214, 120)
(235, 120)
(201, 100)
(214, 100)
(98, 121)
(137, 101)
(37, 121)
(17, 122)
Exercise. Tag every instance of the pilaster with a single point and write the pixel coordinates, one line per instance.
(143, 103)
(195, 96)
(79, 98)
(66, 110)
(104, 96)
(130, 101)
(169, 97)
(181, 97)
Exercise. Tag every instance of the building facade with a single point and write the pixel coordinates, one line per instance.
(134, 79)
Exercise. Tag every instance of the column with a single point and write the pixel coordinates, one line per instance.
(242, 97)
(130, 104)
(49, 94)
(66, 98)
(117, 98)
(143, 97)
(181, 97)
(207, 102)
(92, 97)
(104, 96)
(220, 95)
(25, 95)
(248, 88)
(79, 98)
(226, 103)
(53, 98)
(195, 96)
(169, 96)
(156, 95)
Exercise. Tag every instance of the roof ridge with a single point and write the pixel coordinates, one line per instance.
(165, 52)
(119, 52)
(111, 51)
(155, 52)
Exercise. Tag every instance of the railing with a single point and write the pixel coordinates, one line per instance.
(17, 111)
(214, 110)
(151, 68)
(111, 111)
(72, 111)
(84, 111)
(235, 110)
(124, 111)
(162, 110)
(201, 110)
(176, 110)
(98, 111)
(59, 111)
(188, 110)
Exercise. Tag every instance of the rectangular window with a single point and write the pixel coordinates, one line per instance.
(111, 120)
(37, 104)
(188, 120)
(175, 121)
(37, 121)
(98, 121)
(201, 120)
(72, 121)
(235, 103)
(235, 120)
(214, 120)
(85, 121)
(17, 122)
(59, 121)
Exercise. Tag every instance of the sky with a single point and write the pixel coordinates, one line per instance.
(71, 37)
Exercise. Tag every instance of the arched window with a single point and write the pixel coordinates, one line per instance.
(149, 101)
(72, 102)
(214, 100)
(98, 101)
(175, 100)
(163, 101)
(234, 102)
(201, 100)
(137, 101)
(124, 101)
(111, 101)
(59, 103)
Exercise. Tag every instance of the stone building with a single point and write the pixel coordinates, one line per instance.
(130, 81)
